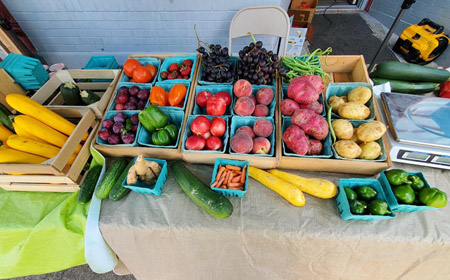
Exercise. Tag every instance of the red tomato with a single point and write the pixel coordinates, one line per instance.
(129, 66)
(214, 143)
(218, 126)
(195, 142)
(215, 106)
(202, 96)
(445, 90)
(153, 71)
(142, 75)
(200, 125)
(225, 95)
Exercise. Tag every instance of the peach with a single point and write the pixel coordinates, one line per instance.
(247, 130)
(263, 128)
(241, 143)
(264, 95)
(261, 145)
(242, 88)
(288, 106)
(253, 98)
(261, 110)
(244, 106)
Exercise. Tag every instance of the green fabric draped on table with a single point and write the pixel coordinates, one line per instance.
(40, 232)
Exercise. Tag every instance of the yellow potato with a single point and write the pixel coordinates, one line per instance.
(354, 111)
(347, 149)
(370, 150)
(345, 98)
(343, 129)
(360, 94)
(334, 102)
(354, 138)
(370, 131)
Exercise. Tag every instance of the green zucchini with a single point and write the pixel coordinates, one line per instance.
(112, 175)
(118, 191)
(409, 72)
(5, 110)
(213, 203)
(408, 87)
(89, 97)
(88, 185)
(5, 120)
(70, 93)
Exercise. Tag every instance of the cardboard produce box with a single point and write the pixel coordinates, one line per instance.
(303, 14)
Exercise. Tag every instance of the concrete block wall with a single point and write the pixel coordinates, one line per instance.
(70, 31)
(385, 11)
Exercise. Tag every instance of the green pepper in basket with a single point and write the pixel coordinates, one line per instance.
(379, 207)
(397, 177)
(152, 118)
(358, 207)
(404, 194)
(173, 132)
(433, 197)
(161, 138)
(416, 183)
(351, 195)
(366, 193)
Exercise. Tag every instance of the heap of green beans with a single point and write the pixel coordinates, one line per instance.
(304, 65)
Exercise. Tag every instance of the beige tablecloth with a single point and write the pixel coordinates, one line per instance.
(169, 237)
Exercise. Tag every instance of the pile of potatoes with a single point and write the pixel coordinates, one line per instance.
(353, 105)
(358, 142)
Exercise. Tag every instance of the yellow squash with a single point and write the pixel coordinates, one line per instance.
(14, 156)
(4, 133)
(317, 187)
(35, 147)
(42, 131)
(29, 107)
(24, 133)
(287, 190)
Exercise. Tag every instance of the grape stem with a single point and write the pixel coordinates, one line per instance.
(251, 34)
(198, 39)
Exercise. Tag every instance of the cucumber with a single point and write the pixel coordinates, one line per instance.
(213, 203)
(89, 97)
(408, 87)
(5, 120)
(88, 186)
(70, 93)
(409, 72)
(118, 191)
(112, 174)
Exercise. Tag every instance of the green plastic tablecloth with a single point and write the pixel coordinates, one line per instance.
(40, 232)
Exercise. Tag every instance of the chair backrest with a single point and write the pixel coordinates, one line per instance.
(267, 20)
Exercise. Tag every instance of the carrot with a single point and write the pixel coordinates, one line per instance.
(220, 182)
(231, 167)
(236, 179)
(219, 173)
(226, 176)
(234, 185)
(214, 184)
(243, 174)
(223, 187)
(229, 179)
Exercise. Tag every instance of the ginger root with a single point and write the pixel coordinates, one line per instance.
(144, 170)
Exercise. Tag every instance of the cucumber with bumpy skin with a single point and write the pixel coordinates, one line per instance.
(88, 185)
(408, 87)
(112, 175)
(402, 71)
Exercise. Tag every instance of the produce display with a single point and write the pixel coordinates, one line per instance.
(178, 71)
(408, 77)
(175, 97)
(216, 64)
(112, 175)
(230, 177)
(143, 170)
(155, 121)
(248, 104)
(362, 201)
(130, 98)
(139, 73)
(206, 134)
(213, 104)
(304, 65)
(120, 129)
(254, 140)
(353, 105)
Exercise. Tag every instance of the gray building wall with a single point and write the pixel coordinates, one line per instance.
(70, 31)
(385, 11)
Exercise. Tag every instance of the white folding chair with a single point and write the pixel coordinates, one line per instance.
(266, 20)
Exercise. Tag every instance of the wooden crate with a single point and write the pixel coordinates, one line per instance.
(341, 68)
(7, 86)
(50, 96)
(54, 175)
(303, 14)
(161, 153)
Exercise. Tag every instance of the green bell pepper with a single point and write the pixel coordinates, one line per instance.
(404, 194)
(416, 183)
(366, 193)
(173, 132)
(397, 177)
(358, 207)
(433, 197)
(379, 207)
(152, 118)
(351, 195)
(161, 138)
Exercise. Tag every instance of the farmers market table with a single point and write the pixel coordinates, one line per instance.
(169, 237)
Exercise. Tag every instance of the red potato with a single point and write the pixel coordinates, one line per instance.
(315, 147)
(263, 128)
(311, 123)
(244, 106)
(242, 88)
(305, 89)
(288, 107)
(261, 110)
(261, 145)
(213, 143)
(315, 106)
(264, 95)
(296, 140)
(247, 130)
(241, 143)
(195, 142)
